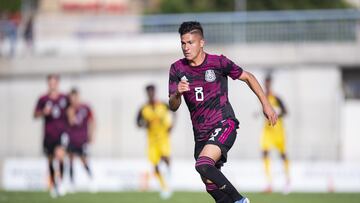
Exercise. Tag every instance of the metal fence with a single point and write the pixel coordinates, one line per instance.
(265, 26)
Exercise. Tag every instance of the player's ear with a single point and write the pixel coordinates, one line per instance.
(202, 42)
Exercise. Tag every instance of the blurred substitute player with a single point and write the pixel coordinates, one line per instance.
(157, 118)
(274, 136)
(81, 131)
(51, 107)
(202, 79)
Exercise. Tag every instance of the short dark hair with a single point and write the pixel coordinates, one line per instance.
(150, 87)
(268, 77)
(55, 76)
(191, 27)
(74, 90)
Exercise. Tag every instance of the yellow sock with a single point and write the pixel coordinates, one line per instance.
(161, 181)
(286, 169)
(267, 169)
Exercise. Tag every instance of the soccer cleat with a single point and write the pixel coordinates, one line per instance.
(243, 200)
(165, 194)
(62, 190)
(268, 189)
(287, 188)
(54, 193)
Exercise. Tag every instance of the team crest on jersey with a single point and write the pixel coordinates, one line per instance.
(210, 76)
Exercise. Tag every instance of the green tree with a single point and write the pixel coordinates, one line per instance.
(187, 6)
(10, 5)
(296, 5)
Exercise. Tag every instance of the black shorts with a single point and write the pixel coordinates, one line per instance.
(49, 145)
(224, 136)
(78, 150)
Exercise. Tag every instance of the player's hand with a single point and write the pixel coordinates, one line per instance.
(183, 86)
(47, 110)
(270, 114)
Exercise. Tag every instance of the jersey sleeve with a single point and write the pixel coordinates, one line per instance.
(230, 68)
(173, 80)
(39, 105)
(90, 115)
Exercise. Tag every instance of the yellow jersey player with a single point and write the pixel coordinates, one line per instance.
(274, 136)
(157, 119)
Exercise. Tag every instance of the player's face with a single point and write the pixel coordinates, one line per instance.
(53, 84)
(151, 94)
(192, 45)
(74, 99)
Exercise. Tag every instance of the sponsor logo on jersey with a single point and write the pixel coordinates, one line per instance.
(184, 78)
(210, 76)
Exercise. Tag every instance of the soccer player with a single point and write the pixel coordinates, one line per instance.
(81, 130)
(202, 79)
(274, 136)
(51, 107)
(156, 118)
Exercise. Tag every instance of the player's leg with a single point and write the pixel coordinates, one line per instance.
(267, 163)
(54, 190)
(218, 195)
(85, 163)
(211, 188)
(154, 158)
(282, 149)
(160, 177)
(50, 159)
(165, 151)
(166, 160)
(266, 143)
(49, 149)
(286, 165)
(71, 167)
(215, 153)
(205, 165)
(60, 154)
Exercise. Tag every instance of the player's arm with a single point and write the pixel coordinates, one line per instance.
(140, 121)
(175, 101)
(71, 116)
(91, 128)
(254, 85)
(172, 116)
(283, 110)
(38, 114)
(175, 98)
(41, 110)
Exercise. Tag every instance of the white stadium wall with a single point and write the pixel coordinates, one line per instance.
(312, 95)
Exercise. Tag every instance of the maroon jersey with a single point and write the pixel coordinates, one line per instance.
(207, 99)
(55, 122)
(79, 132)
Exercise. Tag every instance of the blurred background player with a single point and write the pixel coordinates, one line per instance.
(81, 131)
(274, 136)
(51, 107)
(156, 118)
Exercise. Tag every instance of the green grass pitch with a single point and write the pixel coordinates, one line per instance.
(178, 197)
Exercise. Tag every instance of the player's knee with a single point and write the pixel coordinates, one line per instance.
(203, 164)
(156, 169)
(265, 154)
(202, 169)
